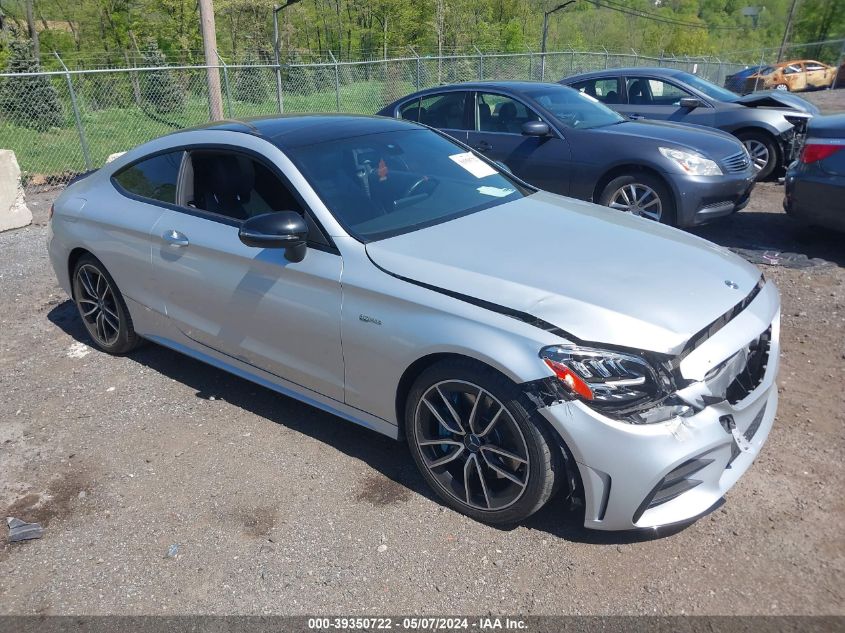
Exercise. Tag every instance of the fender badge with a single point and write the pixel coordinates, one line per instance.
(731, 284)
(368, 319)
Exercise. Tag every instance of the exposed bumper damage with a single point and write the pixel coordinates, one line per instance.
(650, 475)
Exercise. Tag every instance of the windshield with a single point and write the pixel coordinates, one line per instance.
(711, 90)
(384, 184)
(572, 108)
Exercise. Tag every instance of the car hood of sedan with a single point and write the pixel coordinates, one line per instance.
(598, 274)
(777, 99)
(710, 141)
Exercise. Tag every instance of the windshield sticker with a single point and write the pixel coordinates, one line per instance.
(496, 192)
(473, 164)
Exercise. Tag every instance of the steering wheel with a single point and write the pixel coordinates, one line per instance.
(423, 185)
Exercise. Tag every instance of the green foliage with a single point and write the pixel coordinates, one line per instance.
(28, 101)
(251, 83)
(159, 88)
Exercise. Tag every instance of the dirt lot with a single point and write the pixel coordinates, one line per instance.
(279, 508)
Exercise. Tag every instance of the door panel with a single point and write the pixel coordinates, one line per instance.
(540, 161)
(252, 303)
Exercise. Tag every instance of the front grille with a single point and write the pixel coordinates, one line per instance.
(752, 375)
(738, 162)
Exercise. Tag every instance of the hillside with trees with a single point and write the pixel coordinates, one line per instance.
(92, 33)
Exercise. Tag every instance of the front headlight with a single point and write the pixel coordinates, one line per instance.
(692, 162)
(624, 386)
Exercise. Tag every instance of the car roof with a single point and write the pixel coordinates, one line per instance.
(613, 72)
(515, 86)
(297, 130)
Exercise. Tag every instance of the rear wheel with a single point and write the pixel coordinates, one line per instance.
(640, 194)
(477, 445)
(763, 151)
(102, 308)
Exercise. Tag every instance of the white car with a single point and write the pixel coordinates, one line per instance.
(519, 341)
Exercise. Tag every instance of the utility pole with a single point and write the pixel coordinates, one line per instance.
(787, 30)
(33, 33)
(276, 51)
(546, 15)
(209, 45)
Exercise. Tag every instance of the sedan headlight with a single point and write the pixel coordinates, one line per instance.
(624, 386)
(692, 162)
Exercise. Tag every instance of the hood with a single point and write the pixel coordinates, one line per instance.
(598, 274)
(777, 99)
(698, 138)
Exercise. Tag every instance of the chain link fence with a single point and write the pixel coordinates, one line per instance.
(61, 123)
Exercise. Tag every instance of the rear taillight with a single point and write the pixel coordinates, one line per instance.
(51, 212)
(814, 152)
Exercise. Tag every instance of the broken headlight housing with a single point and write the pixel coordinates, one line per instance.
(621, 385)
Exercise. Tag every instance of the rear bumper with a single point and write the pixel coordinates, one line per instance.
(815, 197)
(701, 199)
(647, 476)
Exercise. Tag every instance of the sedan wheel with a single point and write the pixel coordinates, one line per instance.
(477, 446)
(782, 87)
(642, 194)
(102, 308)
(638, 199)
(759, 153)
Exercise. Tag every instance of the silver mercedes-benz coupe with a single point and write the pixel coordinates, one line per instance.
(521, 342)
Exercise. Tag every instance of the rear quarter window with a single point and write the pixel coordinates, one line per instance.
(153, 178)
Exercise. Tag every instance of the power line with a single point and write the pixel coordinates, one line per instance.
(654, 17)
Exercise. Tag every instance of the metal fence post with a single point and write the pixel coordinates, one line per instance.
(606, 58)
(226, 84)
(571, 59)
(83, 142)
(336, 81)
(414, 52)
(480, 63)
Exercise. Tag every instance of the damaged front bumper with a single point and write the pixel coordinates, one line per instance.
(650, 475)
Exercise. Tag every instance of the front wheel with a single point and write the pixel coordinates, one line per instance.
(640, 194)
(476, 444)
(763, 152)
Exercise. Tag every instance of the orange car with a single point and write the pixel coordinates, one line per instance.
(797, 75)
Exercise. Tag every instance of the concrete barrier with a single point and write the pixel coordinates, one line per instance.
(13, 210)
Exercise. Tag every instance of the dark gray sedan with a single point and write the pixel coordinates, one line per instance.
(770, 124)
(815, 183)
(566, 142)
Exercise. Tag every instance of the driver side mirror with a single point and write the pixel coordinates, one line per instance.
(280, 229)
(690, 103)
(535, 128)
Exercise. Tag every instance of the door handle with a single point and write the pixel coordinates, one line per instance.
(175, 238)
(483, 146)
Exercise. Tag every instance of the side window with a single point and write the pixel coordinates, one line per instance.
(444, 111)
(234, 185)
(154, 178)
(410, 111)
(654, 92)
(605, 90)
(792, 69)
(497, 113)
(814, 66)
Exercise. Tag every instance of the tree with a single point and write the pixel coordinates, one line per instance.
(160, 88)
(29, 101)
(250, 82)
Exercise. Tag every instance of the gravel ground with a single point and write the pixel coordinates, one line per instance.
(279, 508)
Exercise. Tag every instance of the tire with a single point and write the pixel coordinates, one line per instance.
(782, 87)
(616, 192)
(756, 143)
(503, 490)
(102, 308)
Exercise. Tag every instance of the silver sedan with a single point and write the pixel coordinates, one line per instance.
(522, 343)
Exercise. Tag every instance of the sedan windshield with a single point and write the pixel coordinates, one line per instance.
(711, 90)
(572, 108)
(381, 185)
